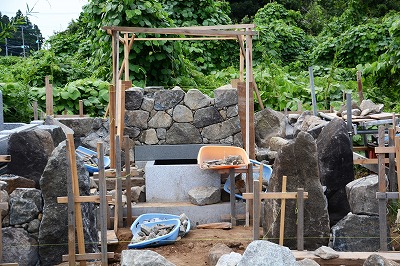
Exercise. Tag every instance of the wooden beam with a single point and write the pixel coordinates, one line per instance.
(5, 158)
(49, 97)
(283, 211)
(275, 195)
(180, 31)
(81, 199)
(385, 149)
(221, 27)
(89, 256)
(112, 126)
(369, 161)
(71, 210)
(186, 39)
(80, 108)
(128, 180)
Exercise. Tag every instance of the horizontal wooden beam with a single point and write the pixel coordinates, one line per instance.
(180, 31)
(187, 39)
(5, 158)
(369, 161)
(221, 27)
(80, 199)
(391, 149)
(275, 195)
(88, 256)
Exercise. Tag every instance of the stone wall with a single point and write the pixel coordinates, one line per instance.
(157, 116)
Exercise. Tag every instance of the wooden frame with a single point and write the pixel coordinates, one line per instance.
(241, 32)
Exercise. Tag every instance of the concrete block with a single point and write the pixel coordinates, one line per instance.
(171, 183)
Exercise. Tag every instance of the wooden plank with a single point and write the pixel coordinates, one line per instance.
(181, 31)
(221, 27)
(186, 39)
(71, 116)
(75, 189)
(118, 214)
(128, 180)
(283, 210)
(382, 189)
(249, 188)
(111, 238)
(345, 258)
(382, 115)
(256, 209)
(242, 116)
(35, 110)
(81, 199)
(275, 195)
(300, 219)
(71, 210)
(221, 225)
(232, 197)
(385, 150)
(89, 256)
(49, 97)
(103, 203)
(392, 165)
(369, 161)
(80, 108)
(112, 126)
(5, 158)
(9, 264)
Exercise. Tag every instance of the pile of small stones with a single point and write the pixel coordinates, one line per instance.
(147, 232)
(230, 160)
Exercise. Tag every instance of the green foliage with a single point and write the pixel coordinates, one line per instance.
(93, 93)
(16, 103)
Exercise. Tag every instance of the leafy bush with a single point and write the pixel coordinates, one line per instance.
(16, 102)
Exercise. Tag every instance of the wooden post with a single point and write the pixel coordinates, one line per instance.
(256, 209)
(118, 214)
(49, 97)
(35, 111)
(112, 126)
(283, 209)
(126, 56)
(80, 108)
(103, 203)
(382, 189)
(241, 89)
(300, 219)
(75, 189)
(128, 181)
(232, 196)
(249, 188)
(71, 210)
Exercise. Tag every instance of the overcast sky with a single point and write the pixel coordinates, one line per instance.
(49, 15)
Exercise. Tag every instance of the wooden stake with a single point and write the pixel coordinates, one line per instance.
(300, 219)
(35, 111)
(382, 189)
(283, 208)
(249, 188)
(118, 214)
(256, 209)
(232, 195)
(49, 97)
(112, 127)
(103, 203)
(71, 210)
(128, 181)
(75, 187)
(80, 108)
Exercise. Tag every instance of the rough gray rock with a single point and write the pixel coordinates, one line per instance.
(164, 100)
(136, 118)
(25, 205)
(147, 104)
(204, 195)
(377, 260)
(4, 197)
(368, 106)
(307, 262)
(133, 98)
(231, 259)
(361, 194)
(326, 253)
(195, 99)
(356, 233)
(232, 111)
(183, 133)
(182, 114)
(309, 123)
(81, 126)
(53, 232)
(276, 143)
(221, 130)
(206, 116)
(225, 96)
(29, 151)
(268, 123)
(335, 160)
(56, 133)
(19, 247)
(149, 136)
(100, 134)
(216, 252)
(133, 257)
(301, 174)
(160, 120)
(265, 253)
(15, 181)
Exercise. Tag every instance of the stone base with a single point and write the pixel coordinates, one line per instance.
(171, 183)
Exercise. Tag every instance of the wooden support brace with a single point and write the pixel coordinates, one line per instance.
(275, 195)
(81, 199)
(128, 181)
(5, 158)
(283, 212)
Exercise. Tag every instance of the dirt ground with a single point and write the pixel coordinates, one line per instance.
(194, 247)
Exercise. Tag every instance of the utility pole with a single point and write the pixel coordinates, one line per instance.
(23, 41)
(6, 48)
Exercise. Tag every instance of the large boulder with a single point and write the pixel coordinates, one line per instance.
(133, 257)
(29, 151)
(25, 205)
(166, 99)
(268, 124)
(335, 160)
(19, 247)
(216, 252)
(15, 181)
(53, 232)
(377, 260)
(183, 133)
(262, 252)
(356, 233)
(309, 123)
(361, 194)
(298, 161)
